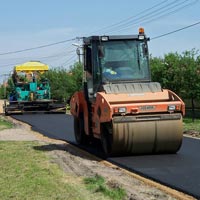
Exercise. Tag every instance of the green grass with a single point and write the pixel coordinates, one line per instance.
(188, 124)
(97, 184)
(27, 174)
(4, 124)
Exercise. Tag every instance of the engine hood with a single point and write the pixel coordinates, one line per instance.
(134, 92)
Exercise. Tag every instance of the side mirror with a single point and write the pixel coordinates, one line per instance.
(101, 53)
(145, 49)
(78, 52)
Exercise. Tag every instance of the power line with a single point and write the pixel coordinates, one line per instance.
(172, 12)
(153, 38)
(38, 47)
(146, 14)
(149, 13)
(126, 23)
(41, 59)
(165, 34)
(63, 53)
(57, 55)
(154, 15)
(129, 18)
(68, 61)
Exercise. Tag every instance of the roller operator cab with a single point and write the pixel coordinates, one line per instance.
(119, 104)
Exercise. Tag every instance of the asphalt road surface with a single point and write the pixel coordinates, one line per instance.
(180, 171)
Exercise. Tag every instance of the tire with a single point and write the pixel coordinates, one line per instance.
(79, 132)
(6, 112)
(106, 141)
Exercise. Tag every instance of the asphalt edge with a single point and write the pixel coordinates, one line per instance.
(174, 193)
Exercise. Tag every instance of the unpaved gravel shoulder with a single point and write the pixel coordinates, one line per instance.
(78, 163)
(192, 134)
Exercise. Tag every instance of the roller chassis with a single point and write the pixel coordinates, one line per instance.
(144, 132)
(20, 107)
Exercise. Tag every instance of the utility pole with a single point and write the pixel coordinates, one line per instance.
(78, 51)
(79, 54)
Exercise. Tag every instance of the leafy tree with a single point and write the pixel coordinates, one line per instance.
(5, 91)
(10, 86)
(179, 73)
(167, 71)
(64, 83)
(158, 70)
(76, 74)
(191, 73)
(2, 92)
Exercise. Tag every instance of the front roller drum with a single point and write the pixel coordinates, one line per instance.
(145, 134)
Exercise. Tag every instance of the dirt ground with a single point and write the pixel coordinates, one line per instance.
(79, 163)
(1, 106)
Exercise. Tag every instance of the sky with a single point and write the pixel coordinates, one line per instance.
(28, 24)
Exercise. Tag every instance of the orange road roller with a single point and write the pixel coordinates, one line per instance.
(120, 105)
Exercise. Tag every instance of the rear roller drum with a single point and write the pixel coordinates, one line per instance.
(80, 135)
(106, 140)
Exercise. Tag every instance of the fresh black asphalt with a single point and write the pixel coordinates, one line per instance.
(180, 171)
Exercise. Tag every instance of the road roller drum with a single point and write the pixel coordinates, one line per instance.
(150, 136)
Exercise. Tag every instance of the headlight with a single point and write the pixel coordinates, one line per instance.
(104, 38)
(171, 108)
(141, 37)
(122, 110)
(119, 110)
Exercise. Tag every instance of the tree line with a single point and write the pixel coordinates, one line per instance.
(181, 74)
(64, 82)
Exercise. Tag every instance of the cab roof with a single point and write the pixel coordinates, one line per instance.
(31, 66)
(113, 37)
